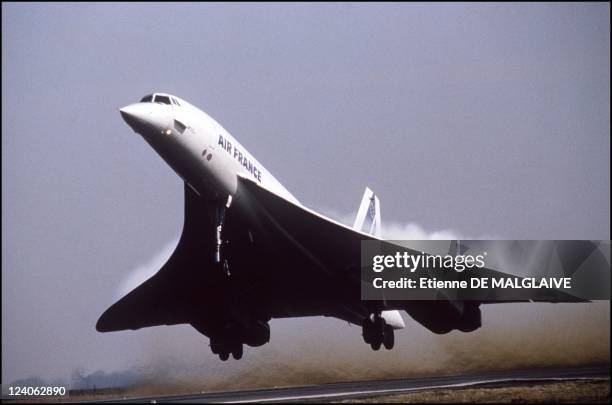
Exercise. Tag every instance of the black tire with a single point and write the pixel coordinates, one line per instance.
(375, 345)
(379, 326)
(224, 355)
(237, 352)
(389, 337)
(366, 330)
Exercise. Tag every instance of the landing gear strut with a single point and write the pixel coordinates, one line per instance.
(216, 217)
(376, 332)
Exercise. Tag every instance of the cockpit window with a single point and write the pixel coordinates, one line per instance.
(162, 99)
(176, 101)
(147, 99)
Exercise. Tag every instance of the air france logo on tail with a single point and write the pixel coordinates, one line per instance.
(240, 157)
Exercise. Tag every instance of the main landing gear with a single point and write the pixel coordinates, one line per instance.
(224, 350)
(376, 332)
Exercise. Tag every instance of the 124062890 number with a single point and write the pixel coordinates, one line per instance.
(9, 391)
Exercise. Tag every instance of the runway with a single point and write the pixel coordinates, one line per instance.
(337, 391)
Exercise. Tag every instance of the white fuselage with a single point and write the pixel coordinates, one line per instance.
(207, 157)
(197, 148)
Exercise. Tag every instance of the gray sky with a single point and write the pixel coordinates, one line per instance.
(482, 119)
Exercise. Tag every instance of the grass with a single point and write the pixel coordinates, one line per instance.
(577, 391)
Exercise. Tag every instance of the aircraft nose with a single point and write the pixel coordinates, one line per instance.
(147, 119)
(136, 116)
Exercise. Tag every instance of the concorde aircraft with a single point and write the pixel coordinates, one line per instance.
(250, 251)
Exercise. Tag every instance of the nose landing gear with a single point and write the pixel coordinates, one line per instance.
(213, 242)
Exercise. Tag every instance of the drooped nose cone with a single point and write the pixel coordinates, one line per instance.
(137, 116)
(145, 118)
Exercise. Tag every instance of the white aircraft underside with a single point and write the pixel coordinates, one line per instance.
(250, 252)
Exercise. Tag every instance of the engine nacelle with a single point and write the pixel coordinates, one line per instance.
(442, 316)
(471, 318)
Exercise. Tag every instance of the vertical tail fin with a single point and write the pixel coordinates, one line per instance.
(368, 216)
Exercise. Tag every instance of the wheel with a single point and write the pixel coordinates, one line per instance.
(366, 330)
(377, 333)
(379, 325)
(224, 355)
(389, 337)
(374, 331)
(237, 352)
